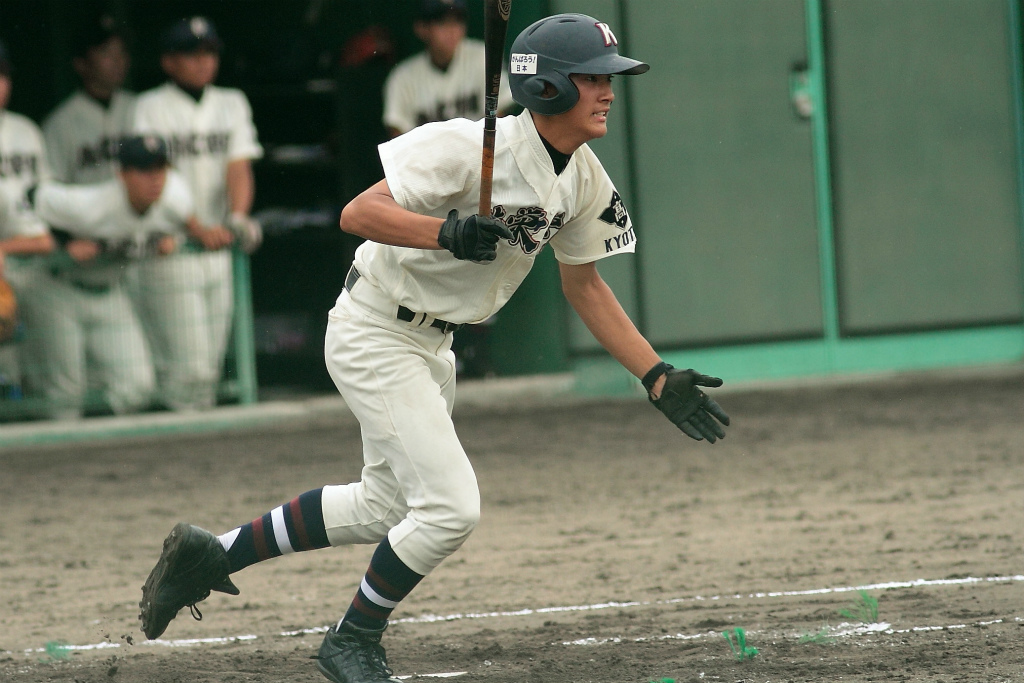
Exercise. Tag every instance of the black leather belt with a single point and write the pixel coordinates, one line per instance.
(404, 314)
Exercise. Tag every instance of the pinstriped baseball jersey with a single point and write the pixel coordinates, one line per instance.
(82, 136)
(22, 164)
(202, 137)
(436, 168)
(417, 92)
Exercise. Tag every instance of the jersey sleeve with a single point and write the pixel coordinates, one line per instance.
(244, 143)
(432, 164)
(601, 227)
(57, 147)
(75, 208)
(397, 97)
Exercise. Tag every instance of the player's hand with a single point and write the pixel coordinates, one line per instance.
(689, 408)
(246, 230)
(166, 244)
(83, 250)
(473, 238)
(214, 237)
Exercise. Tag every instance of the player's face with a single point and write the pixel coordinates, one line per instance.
(442, 37)
(193, 70)
(106, 65)
(589, 117)
(5, 90)
(144, 187)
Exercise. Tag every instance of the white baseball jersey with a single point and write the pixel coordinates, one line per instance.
(436, 168)
(82, 136)
(22, 164)
(102, 212)
(417, 92)
(202, 137)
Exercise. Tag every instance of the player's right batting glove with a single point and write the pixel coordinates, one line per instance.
(682, 402)
(473, 238)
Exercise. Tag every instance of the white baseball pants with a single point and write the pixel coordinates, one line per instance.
(185, 303)
(418, 487)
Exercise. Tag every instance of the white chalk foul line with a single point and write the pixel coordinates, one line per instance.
(843, 630)
(433, 618)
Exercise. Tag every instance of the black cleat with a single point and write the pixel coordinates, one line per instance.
(354, 655)
(192, 564)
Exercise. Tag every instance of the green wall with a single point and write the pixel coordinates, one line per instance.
(879, 231)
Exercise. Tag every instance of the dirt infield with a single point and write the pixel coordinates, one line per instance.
(611, 549)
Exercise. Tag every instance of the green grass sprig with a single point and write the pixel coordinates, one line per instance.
(865, 609)
(740, 649)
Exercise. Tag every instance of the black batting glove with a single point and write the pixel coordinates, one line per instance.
(473, 238)
(686, 406)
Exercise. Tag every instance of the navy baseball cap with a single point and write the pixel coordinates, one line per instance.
(191, 34)
(433, 10)
(5, 61)
(143, 152)
(97, 34)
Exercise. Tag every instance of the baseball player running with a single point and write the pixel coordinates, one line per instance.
(444, 81)
(83, 132)
(88, 315)
(186, 300)
(429, 265)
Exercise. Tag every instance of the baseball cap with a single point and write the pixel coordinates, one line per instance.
(432, 10)
(5, 61)
(96, 34)
(142, 152)
(191, 34)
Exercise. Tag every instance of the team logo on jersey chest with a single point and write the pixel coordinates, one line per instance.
(530, 226)
(18, 165)
(616, 213)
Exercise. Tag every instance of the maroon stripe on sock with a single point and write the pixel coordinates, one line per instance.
(369, 609)
(384, 588)
(258, 540)
(300, 526)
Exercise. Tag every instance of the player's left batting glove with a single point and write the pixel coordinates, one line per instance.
(682, 402)
(247, 231)
(473, 238)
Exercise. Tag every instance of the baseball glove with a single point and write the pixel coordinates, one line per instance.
(685, 405)
(8, 311)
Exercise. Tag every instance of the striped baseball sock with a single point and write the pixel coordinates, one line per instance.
(387, 581)
(292, 527)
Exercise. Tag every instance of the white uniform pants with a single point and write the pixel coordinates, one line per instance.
(185, 302)
(418, 487)
(69, 329)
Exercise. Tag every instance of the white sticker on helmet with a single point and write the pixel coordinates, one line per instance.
(522, 64)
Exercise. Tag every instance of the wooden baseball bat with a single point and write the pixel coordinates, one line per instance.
(496, 14)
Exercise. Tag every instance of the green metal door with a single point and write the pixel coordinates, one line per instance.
(724, 181)
(924, 164)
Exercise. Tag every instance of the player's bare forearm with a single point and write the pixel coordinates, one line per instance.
(601, 312)
(35, 244)
(375, 215)
(241, 186)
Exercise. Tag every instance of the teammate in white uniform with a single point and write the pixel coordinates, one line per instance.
(22, 165)
(446, 80)
(186, 300)
(87, 314)
(422, 272)
(82, 134)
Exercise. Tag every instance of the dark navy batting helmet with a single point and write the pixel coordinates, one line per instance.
(547, 51)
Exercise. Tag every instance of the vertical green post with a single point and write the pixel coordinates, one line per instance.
(1017, 71)
(243, 336)
(822, 175)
